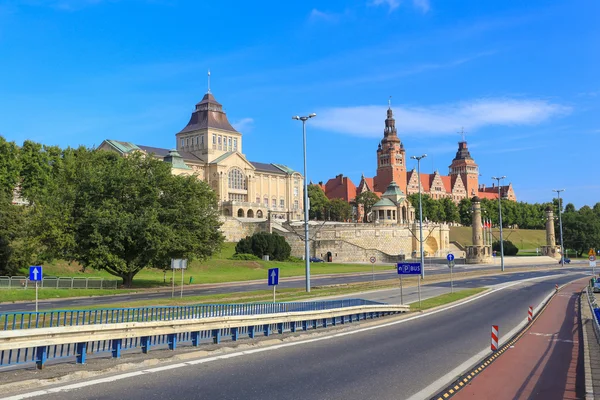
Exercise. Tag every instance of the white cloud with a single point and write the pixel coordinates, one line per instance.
(422, 4)
(367, 121)
(392, 4)
(243, 124)
(316, 15)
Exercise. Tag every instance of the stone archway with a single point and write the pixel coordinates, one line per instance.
(259, 214)
(250, 214)
(431, 246)
(226, 212)
(241, 213)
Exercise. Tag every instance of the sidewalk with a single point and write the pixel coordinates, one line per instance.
(545, 363)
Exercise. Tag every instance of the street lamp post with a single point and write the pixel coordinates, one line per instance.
(562, 249)
(500, 224)
(419, 158)
(306, 255)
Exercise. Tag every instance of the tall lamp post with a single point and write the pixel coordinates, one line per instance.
(500, 224)
(419, 158)
(306, 255)
(562, 249)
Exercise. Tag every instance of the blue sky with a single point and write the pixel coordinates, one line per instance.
(520, 77)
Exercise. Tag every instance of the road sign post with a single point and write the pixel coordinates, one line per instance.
(177, 263)
(592, 259)
(35, 275)
(450, 258)
(373, 259)
(273, 279)
(410, 269)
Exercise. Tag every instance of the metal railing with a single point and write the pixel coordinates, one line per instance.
(595, 310)
(53, 282)
(50, 319)
(23, 346)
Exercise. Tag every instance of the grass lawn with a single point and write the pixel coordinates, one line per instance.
(525, 239)
(218, 269)
(444, 299)
(9, 295)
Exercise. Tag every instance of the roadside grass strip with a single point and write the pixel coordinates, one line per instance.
(444, 299)
(480, 366)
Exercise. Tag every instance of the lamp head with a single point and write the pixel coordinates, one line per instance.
(424, 155)
(413, 157)
(312, 115)
(296, 117)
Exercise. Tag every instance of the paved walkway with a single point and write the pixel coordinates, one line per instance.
(545, 363)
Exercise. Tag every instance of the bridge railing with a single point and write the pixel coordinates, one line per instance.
(143, 328)
(591, 300)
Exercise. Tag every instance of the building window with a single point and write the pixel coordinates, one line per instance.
(266, 201)
(295, 204)
(257, 199)
(274, 203)
(282, 203)
(182, 142)
(237, 180)
(296, 192)
(220, 143)
(234, 144)
(229, 144)
(187, 141)
(214, 141)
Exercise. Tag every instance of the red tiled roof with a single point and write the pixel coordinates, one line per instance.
(369, 182)
(426, 181)
(447, 183)
(487, 195)
(340, 187)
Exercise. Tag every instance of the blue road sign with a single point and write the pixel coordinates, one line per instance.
(409, 268)
(450, 257)
(35, 273)
(273, 276)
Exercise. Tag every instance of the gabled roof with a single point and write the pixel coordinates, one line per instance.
(340, 187)
(127, 147)
(487, 195)
(270, 168)
(447, 183)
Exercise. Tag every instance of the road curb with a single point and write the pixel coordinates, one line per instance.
(585, 316)
(453, 388)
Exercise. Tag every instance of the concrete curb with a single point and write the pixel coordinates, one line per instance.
(585, 317)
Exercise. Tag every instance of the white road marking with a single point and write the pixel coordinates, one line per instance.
(553, 339)
(427, 392)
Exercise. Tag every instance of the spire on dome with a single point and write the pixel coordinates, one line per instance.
(208, 81)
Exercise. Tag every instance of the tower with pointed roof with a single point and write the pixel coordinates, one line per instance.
(209, 135)
(391, 157)
(464, 166)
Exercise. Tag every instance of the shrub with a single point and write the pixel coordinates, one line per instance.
(294, 259)
(263, 243)
(509, 248)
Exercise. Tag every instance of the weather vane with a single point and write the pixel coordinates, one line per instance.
(462, 133)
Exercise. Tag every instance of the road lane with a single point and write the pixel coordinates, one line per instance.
(387, 362)
(238, 288)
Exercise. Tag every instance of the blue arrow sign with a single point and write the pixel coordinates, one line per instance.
(409, 268)
(450, 257)
(35, 273)
(273, 276)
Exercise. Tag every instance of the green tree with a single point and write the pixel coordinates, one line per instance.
(367, 200)
(509, 248)
(265, 244)
(319, 203)
(9, 166)
(340, 210)
(464, 212)
(17, 249)
(450, 210)
(123, 214)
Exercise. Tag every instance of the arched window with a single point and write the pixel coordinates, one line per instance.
(237, 180)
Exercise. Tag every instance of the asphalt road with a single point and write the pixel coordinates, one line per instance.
(238, 288)
(391, 361)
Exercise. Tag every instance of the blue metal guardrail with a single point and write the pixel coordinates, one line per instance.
(39, 355)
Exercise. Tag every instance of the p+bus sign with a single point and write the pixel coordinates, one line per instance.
(409, 268)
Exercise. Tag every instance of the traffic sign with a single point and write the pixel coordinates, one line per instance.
(591, 252)
(273, 276)
(372, 259)
(450, 257)
(409, 268)
(35, 273)
(178, 263)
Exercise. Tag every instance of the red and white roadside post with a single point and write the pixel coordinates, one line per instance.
(530, 314)
(494, 337)
(556, 287)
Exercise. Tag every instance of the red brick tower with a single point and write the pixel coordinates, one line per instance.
(391, 158)
(466, 167)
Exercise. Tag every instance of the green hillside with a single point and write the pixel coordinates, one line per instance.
(524, 239)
